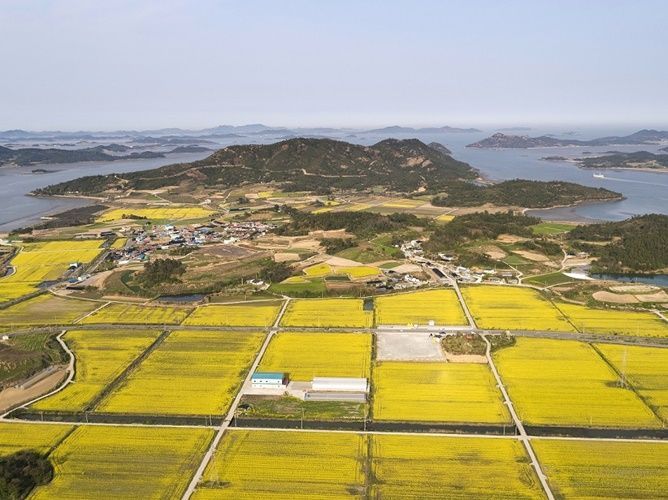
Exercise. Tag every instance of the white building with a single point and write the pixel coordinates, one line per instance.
(269, 380)
(340, 384)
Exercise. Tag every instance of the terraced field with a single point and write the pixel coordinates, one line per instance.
(41, 438)
(513, 308)
(586, 319)
(431, 467)
(46, 309)
(604, 469)
(258, 315)
(436, 392)
(125, 462)
(645, 369)
(418, 308)
(172, 214)
(101, 356)
(342, 313)
(132, 314)
(308, 355)
(564, 382)
(190, 373)
(44, 261)
(294, 466)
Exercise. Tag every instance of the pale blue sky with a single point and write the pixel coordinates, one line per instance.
(92, 64)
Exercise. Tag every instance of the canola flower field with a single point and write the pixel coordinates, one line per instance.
(125, 462)
(293, 466)
(513, 308)
(100, 357)
(46, 309)
(190, 373)
(44, 261)
(565, 382)
(418, 308)
(589, 320)
(40, 438)
(436, 392)
(353, 272)
(260, 315)
(343, 313)
(168, 213)
(121, 313)
(308, 355)
(604, 469)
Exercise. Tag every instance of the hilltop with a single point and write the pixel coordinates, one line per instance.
(500, 140)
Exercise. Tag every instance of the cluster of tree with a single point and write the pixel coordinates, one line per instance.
(161, 271)
(636, 244)
(74, 217)
(361, 224)
(275, 272)
(479, 225)
(21, 472)
(543, 245)
(519, 192)
(335, 245)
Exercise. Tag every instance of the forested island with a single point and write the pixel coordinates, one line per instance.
(637, 160)
(500, 140)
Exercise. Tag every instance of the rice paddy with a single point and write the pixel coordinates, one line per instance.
(44, 261)
(125, 462)
(431, 467)
(608, 321)
(168, 213)
(513, 308)
(46, 309)
(436, 392)
(286, 465)
(564, 382)
(24, 436)
(261, 314)
(133, 314)
(100, 357)
(341, 313)
(308, 355)
(604, 469)
(419, 308)
(190, 373)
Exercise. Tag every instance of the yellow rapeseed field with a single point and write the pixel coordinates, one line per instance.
(44, 261)
(167, 213)
(259, 314)
(436, 392)
(46, 309)
(357, 272)
(341, 313)
(604, 469)
(100, 357)
(440, 306)
(644, 368)
(513, 308)
(445, 218)
(121, 313)
(286, 465)
(308, 355)
(119, 243)
(125, 462)
(432, 467)
(318, 270)
(403, 203)
(589, 320)
(190, 373)
(565, 382)
(24, 436)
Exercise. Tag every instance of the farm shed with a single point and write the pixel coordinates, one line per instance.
(339, 384)
(269, 380)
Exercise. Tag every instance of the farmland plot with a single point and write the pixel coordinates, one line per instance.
(40, 438)
(564, 382)
(431, 467)
(125, 462)
(342, 313)
(190, 373)
(294, 466)
(100, 357)
(258, 315)
(604, 469)
(418, 308)
(132, 314)
(513, 308)
(588, 320)
(156, 213)
(436, 392)
(308, 355)
(46, 309)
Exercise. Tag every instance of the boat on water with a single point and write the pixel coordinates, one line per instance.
(599, 176)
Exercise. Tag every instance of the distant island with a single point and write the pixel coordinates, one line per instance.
(638, 160)
(504, 141)
(426, 130)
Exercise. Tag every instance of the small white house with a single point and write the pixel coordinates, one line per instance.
(269, 380)
(340, 384)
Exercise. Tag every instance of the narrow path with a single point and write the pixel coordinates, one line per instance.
(465, 307)
(518, 423)
(79, 320)
(233, 408)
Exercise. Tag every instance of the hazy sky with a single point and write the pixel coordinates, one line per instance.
(94, 64)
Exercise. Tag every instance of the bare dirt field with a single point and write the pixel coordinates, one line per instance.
(615, 298)
(633, 288)
(494, 252)
(414, 346)
(532, 256)
(510, 238)
(285, 257)
(13, 396)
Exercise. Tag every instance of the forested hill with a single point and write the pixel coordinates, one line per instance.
(636, 244)
(34, 156)
(297, 164)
